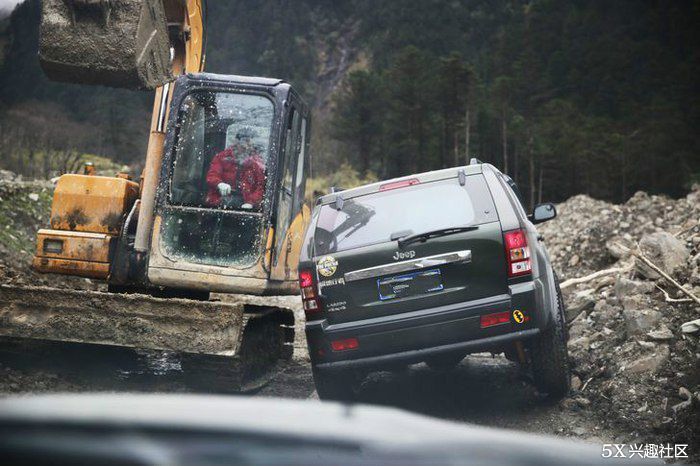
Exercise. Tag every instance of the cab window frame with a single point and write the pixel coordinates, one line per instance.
(288, 165)
(301, 175)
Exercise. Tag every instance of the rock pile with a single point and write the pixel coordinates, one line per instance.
(633, 357)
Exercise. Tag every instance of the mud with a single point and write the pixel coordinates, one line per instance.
(482, 390)
(118, 44)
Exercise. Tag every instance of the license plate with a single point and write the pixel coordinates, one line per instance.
(411, 284)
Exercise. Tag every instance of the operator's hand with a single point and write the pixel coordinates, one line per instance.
(224, 189)
(247, 206)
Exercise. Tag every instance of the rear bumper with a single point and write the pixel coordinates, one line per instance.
(412, 337)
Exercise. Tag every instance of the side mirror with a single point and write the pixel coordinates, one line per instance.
(543, 212)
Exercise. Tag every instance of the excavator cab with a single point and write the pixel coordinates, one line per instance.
(230, 205)
(220, 206)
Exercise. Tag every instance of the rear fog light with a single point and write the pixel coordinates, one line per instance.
(346, 344)
(489, 320)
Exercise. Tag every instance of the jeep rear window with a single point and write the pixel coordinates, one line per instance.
(372, 218)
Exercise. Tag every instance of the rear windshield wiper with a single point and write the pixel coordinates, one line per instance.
(434, 234)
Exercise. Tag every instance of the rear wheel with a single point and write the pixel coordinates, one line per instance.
(444, 362)
(335, 385)
(550, 358)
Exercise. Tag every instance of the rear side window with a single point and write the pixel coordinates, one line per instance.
(513, 193)
(372, 218)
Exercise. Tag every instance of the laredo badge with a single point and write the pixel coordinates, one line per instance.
(327, 266)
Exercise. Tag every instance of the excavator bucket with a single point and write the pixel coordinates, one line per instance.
(117, 43)
(238, 343)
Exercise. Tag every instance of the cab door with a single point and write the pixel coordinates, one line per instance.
(291, 195)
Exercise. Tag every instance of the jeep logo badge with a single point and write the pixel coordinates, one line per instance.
(404, 255)
(327, 266)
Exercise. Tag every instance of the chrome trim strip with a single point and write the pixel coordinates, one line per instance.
(413, 264)
(163, 107)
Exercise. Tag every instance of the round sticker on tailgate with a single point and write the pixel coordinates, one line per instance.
(327, 266)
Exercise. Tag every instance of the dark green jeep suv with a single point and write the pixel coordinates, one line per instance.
(428, 268)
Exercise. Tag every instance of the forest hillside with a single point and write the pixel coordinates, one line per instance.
(566, 96)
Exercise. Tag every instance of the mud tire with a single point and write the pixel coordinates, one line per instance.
(550, 357)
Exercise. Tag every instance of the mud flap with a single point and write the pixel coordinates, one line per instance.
(121, 43)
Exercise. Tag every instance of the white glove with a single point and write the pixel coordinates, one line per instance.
(247, 206)
(224, 189)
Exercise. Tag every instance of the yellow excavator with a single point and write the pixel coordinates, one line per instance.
(219, 207)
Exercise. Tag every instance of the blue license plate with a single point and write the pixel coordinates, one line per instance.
(411, 284)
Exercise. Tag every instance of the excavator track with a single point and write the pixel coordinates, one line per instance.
(220, 346)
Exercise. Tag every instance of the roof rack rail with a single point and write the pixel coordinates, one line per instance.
(336, 189)
(475, 161)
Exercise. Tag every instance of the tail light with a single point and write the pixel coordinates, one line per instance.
(309, 294)
(517, 253)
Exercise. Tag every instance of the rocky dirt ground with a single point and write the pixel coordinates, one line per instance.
(633, 346)
(633, 334)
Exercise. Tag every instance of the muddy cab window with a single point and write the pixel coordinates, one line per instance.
(219, 172)
(222, 151)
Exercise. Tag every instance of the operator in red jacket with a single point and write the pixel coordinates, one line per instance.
(237, 172)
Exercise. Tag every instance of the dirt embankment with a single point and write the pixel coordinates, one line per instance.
(636, 365)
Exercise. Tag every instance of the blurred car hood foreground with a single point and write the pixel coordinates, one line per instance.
(153, 429)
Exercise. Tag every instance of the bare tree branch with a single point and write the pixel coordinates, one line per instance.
(673, 300)
(593, 276)
(656, 269)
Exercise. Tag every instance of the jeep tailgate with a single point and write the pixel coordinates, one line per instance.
(374, 281)
(364, 272)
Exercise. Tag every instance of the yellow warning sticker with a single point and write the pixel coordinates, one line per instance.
(327, 266)
(518, 316)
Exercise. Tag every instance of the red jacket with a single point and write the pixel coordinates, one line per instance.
(251, 179)
(248, 178)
